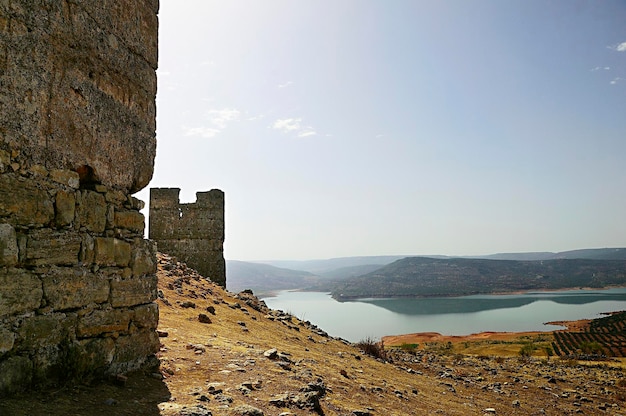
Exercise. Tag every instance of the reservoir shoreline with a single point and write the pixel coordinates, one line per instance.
(536, 312)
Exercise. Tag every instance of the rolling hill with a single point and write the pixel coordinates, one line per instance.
(264, 279)
(423, 276)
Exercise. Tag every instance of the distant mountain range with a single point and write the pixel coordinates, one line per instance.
(362, 276)
(589, 254)
(264, 279)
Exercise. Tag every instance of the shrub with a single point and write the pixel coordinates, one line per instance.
(372, 347)
(527, 349)
(408, 347)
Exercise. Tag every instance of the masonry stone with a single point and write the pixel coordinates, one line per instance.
(92, 211)
(130, 220)
(8, 246)
(143, 258)
(70, 288)
(77, 139)
(192, 232)
(50, 247)
(104, 321)
(20, 291)
(65, 208)
(133, 291)
(15, 373)
(23, 202)
(7, 339)
(42, 331)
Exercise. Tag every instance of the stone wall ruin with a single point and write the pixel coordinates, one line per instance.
(77, 138)
(192, 232)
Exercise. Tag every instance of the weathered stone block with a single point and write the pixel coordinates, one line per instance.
(104, 321)
(15, 374)
(146, 316)
(43, 331)
(133, 291)
(5, 160)
(23, 202)
(115, 196)
(8, 246)
(38, 170)
(87, 249)
(112, 252)
(7, 339)
(47, 247)
(143, 261)
(131, 351)
(47, 361)
(66, 288)
(65, 207)
(130, 220)
(92, 211)
(65, 177)
(20, 291)
(92, 356)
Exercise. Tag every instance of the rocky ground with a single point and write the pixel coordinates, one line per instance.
(226, 354)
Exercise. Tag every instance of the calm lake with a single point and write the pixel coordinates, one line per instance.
(465, 315)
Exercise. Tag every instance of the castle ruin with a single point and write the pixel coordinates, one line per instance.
(192, 232)
(77, 139)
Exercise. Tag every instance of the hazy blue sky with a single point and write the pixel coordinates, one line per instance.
(362, 127)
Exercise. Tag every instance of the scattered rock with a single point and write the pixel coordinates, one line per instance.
(198, 410)
(281, 400)
(204, 319)
(211, 310)
(222, 398)
(272, 354)
(162, 334)
(247, 410)
(187, 304)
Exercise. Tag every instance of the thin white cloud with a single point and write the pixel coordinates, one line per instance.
(617, 80)
(287, 124)
(598, 68)
(286, 84)
(621, 47)
(221, 118)
(205, 132)
(218, 120)
(293, 125)
(307, 133)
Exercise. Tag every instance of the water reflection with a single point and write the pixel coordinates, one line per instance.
(477, 303)
(375, 318)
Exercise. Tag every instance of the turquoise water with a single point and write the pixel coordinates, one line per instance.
(465, 315)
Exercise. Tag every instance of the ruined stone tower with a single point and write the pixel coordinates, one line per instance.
(77, 138)
(192, 232)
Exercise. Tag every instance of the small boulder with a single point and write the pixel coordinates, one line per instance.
(204, 319)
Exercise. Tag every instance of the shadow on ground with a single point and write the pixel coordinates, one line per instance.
(140, 396)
